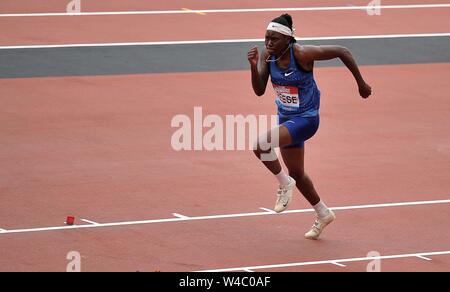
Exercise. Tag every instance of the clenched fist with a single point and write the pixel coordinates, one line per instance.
(365, 90)
(253, 56)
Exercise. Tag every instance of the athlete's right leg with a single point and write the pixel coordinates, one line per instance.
(264, 149)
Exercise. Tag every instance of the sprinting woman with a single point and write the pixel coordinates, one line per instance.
(290, 67)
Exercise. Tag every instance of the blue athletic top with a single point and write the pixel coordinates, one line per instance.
(296, 89)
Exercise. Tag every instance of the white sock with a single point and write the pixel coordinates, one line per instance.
(283, 178)
(321, 209)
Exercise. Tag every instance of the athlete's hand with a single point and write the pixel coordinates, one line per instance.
(365, 90)
(253, 56)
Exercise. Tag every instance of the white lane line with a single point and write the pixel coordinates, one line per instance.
(245, 10)
(212, 217)
(2, 230)
(338, 264)
(348, 260)
(199, 13)
(390, 205)
(247, 270)
(424, 258)
(90, 222)
(268, 210)
(224, 41)
(180, 216)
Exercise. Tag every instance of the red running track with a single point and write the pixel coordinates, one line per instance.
(99, 148)
(188, 27)
(23, 6)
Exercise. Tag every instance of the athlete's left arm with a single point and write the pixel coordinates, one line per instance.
(309, 54)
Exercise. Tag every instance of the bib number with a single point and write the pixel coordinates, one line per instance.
(287, 95)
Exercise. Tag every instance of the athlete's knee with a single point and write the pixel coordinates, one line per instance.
(261, 146)
(258, 151)
(264, 151)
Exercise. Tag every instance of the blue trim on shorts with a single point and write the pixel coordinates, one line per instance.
(300, 128)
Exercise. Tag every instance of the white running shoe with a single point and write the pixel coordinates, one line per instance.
(319, 225)
(284, 196)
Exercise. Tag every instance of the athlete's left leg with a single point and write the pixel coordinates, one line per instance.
(294, 160)
(293, 157)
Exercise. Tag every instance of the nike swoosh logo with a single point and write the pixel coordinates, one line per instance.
(287, 74)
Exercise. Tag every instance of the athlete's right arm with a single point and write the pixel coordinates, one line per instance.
(259, 69)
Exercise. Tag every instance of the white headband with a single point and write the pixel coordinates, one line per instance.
(280, 28)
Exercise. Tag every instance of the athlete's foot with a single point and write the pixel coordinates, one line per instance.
(284, 196)
(319, 225)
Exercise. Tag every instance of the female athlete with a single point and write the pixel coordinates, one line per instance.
(290, 67)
